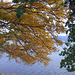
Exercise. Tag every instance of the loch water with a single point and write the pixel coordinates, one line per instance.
(10, 67)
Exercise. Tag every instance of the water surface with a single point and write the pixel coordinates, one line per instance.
(10, 67)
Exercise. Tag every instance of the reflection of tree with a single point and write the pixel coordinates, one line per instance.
(69, 61)
(31, 29)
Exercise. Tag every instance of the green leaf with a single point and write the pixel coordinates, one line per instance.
(15, 1)
(26, 0)
(31, 2)
(20, 11)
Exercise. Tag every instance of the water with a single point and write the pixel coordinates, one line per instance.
(10, 67)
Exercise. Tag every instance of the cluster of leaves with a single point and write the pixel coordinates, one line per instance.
(31, 36)
(71, 25)
(69, 61)
(25, 1)
(20, 10)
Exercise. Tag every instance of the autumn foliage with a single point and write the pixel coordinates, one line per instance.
(29, 30)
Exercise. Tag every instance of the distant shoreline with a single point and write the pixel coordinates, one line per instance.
(63, 38)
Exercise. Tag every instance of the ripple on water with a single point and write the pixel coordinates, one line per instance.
(10, 67)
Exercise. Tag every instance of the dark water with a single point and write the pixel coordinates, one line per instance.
(10, 67)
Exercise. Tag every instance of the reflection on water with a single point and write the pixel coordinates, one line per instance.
(9, 66)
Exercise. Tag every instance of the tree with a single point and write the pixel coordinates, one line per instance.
(32, 26)
(69, 60)
(69, 52)
(72, 5)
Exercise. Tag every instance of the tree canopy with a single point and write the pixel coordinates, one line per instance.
(29, 28)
